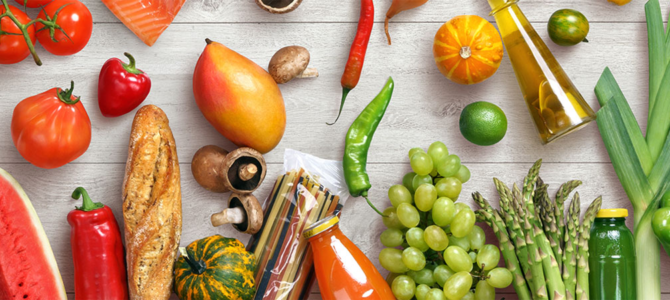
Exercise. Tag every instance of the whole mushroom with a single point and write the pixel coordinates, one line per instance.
(244, 212)
(278, 6)
(241, 171)
(291, 62)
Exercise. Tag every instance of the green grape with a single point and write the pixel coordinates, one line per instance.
(449, 187)
(407, 181)
(421, 291)
(463, 174)
(435, 294)
(425, 197)
(443, 212)
(399, 194)
(391, 219)
(419, 180)
(390, 277)
(403, 287)
(473, 255)
(415, 151)
(442, 273)
(500, 278)
(436, 238)
(415, 239)
(425, 276)
(447, 229)
(463, 242)
(459, 206)
(408, 215)
(488, 257)
(457, 259)
(477, 238)
(463, 222)
(483, 291)
(433, 173)
(438, 152)
(457, 285)
(391, 259)
(414, 259)
(450, 166)
(469, 296)
(421, 163)
(392, 237)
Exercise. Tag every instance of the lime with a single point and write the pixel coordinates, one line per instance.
(483, 123)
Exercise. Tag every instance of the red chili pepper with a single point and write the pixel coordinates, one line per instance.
(354, 67)
(97, 250)
(121, 87)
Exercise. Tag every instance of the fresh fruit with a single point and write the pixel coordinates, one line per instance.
(425, 197)
(619, 2)
(436, 238)
(13, 46)
(457, 259)
(449, 187)
(457, 285)
(75, 27)
(239, 98)
(28, 268)
(422, 163)
(403, 287)
(413, 258)
(488, 257)
(147, 19)
(121, 87)
(51, 129)
(392, 238)
(399, 194)
(483, 123)
(500, 278)
(483, 291)
(215, 268)
(568, 27)
(33, 3)
(391, 259)
(467, 49)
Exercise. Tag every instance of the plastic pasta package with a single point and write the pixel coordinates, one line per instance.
(311, 189)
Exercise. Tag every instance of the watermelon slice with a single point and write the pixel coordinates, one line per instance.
(146, 18)
(28, 268)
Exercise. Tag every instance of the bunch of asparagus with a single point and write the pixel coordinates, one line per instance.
(545, 249)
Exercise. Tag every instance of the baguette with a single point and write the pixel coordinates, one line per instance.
(151, 206)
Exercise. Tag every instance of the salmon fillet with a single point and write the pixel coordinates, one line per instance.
(146, 18)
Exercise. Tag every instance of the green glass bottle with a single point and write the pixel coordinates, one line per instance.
(611, 257)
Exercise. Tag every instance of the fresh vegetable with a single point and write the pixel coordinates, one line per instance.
(354, 66)
(33, 3)
(241, 171)
(291, 62)
(51, 129)
(483, 123)
(214, 268)
(358, 141)
(398, 6)
(147, 19)
(619, 2)
(244, 212)
(121, 87)
(568, 27)
(15, 29)
(528, 229)
(660, 223)
(20, 230)
(278, 7)
(97, 251)
(640, 162)
(467, 49)
(239, 98)
(72, 29)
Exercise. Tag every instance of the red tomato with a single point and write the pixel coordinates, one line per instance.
(74, 19)
(13, 48)
(33, 3)
(51, 129)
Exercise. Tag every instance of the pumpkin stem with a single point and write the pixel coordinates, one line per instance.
(198, 266)
(465, 52)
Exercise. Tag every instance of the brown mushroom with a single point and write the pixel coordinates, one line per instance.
(278, 6)
(291, 62)
(244, 212)
(240, 171)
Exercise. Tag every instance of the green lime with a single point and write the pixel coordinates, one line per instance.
(483, 123)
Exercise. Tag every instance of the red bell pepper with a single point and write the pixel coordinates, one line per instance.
(121, 87)
(97, 250)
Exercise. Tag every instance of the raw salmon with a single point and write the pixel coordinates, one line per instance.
(146, 18)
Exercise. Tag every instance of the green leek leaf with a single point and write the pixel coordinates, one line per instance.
(656, 40)
(659, 121)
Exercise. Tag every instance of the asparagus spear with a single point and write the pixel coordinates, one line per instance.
(582, 289)
(514, 227)
(561, 196)
(570, 253)
(549, 221)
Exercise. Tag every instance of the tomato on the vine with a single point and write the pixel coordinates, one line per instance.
(74, 26)
(33, 3)
(13, 47)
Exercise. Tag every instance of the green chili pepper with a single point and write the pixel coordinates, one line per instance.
(358, 141)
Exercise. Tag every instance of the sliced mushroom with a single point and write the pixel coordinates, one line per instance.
(241, 171)
(291, 62)
(244, 212)
(278, 6)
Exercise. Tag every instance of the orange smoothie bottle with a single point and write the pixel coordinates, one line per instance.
(343, 271)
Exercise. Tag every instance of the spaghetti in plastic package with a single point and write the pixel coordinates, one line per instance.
(310, 190)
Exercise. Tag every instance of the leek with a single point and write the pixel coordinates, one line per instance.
(656, 35)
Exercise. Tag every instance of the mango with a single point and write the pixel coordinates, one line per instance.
(239, 98)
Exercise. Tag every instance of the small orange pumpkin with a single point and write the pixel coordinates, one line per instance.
(467, 49)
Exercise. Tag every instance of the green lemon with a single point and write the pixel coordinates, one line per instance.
(483, 123)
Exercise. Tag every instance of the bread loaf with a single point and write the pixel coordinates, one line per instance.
(151, 206)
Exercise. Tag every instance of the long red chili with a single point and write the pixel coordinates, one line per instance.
(352, 71)
(97, 250)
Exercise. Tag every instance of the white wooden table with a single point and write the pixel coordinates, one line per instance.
(425, 105)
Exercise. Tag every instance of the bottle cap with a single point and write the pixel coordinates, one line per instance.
(612, 213)
(320, 226)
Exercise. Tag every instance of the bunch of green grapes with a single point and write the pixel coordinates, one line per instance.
(434, 249)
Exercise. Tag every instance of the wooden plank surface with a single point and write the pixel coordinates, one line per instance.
(425, 106)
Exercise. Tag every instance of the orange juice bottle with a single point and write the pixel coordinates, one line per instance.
(343, 271)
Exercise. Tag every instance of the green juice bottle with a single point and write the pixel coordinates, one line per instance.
(611, 257)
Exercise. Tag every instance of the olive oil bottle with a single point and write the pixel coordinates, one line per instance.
(553, 100)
